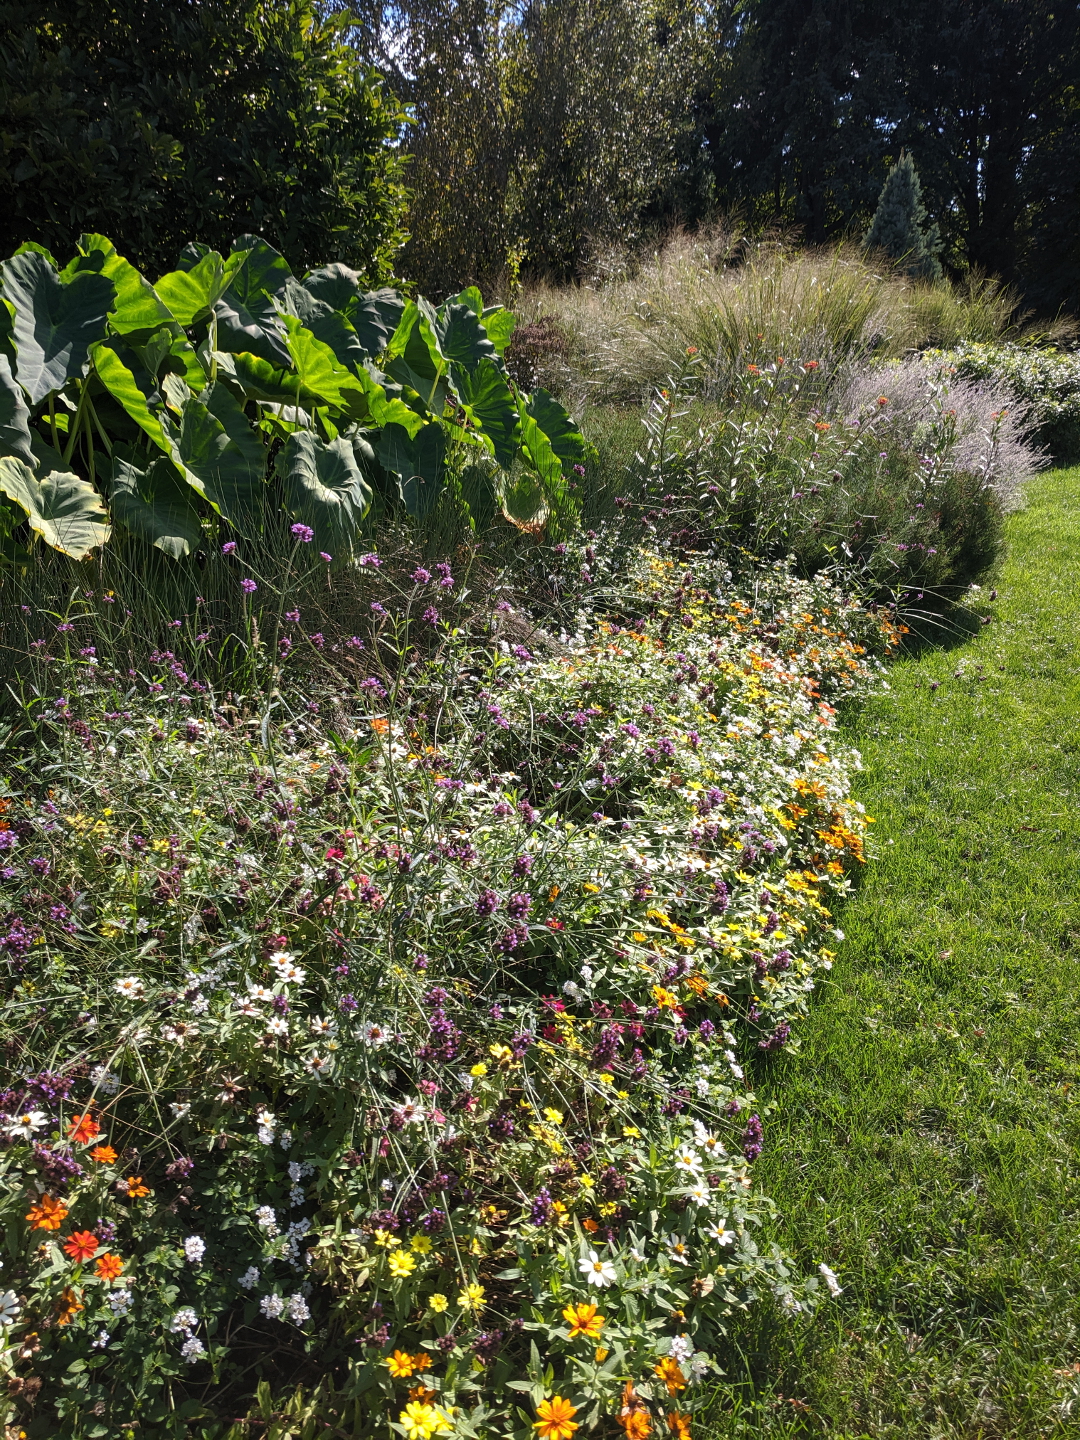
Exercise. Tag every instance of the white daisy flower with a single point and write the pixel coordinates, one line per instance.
(600, 1273)
(719, 1234)
(290, 974)
(688, 1160)
(22, 1127)
(277, 1025)
(266, 1117)
(677, 1249)
(699, 1194)
(372, 1034)
(260, 992)
(317, 1064)
(321, 1026)
(131, 988)
(9, 1308)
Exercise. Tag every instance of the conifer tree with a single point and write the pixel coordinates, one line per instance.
(899, 225)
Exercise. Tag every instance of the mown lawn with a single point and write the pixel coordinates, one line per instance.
(925, 1140)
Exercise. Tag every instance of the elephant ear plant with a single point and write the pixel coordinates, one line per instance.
(231, 390)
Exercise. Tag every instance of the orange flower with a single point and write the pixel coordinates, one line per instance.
(679, 1425)
(108, 1266)
(636, 1425)
(669, 1372)
(753, 369)
(69, 1307)
(103, 1154)
(421, 1395)
(422, 1361)
(82, 1129)
(556, 1419)
(822, 426)
(80, 1245)
(583, 1320)
(882, 399)
(47, 1214)
(400, 1364)
(135, 1187)
(591, 1226)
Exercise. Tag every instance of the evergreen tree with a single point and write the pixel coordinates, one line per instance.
(899, 226)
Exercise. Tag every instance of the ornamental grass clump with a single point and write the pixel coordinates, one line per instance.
(388, 1065)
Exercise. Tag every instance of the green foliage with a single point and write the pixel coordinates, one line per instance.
(520, 160)
(899, 225)
(1048, 379)
(157, 122)
(230, 389)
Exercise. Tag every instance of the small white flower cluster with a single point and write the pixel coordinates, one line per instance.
(295, 1308)
(184, 1322)
(250, 1278)
(194, 1248)
(266, 1219)
(104, 1080)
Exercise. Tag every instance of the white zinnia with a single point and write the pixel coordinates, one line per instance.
(600, 1273)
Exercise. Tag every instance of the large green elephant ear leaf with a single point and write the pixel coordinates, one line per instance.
(319, 370)
(221, 457)
(414, 356)
(500, 325)
(138, 305)
(155, 504)
(63, 509)
(335, 285)
(192, 293)
(128, 381)
(489, 404)
(327, 325)
(375, 317)
(14, 417)
(55, 323)
(324, 488)
(418, 462)
(247, 311)
(462, 338)
(564, 439)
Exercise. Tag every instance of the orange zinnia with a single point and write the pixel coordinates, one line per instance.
(679, 1425)
(422, 1361)
(636, 1425)
(103, 1154)
(82, 1129)
(81, 1245)
(135, 1187)
(556, 1419)
(583, 1320)
(69, 1307)
(108, 1266)
(670, 1373)
(421, 1395)
(47, 1214)
(400, 1364)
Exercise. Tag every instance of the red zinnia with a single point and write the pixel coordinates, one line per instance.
(82, 1129)
(81, 1245)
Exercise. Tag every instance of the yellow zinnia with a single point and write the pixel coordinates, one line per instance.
(401, 1265)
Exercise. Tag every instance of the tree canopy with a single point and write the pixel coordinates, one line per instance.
(157, 121)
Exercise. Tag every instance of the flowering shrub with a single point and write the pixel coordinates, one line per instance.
(1046, 379)
(401, 1053)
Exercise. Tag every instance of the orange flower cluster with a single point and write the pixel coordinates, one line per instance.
(402, 1365)
(82, 1129)
(81, 1245)
(47, 1214)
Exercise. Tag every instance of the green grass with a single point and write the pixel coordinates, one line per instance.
(925, 1141)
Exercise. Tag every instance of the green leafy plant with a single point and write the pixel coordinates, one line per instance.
(231, 391)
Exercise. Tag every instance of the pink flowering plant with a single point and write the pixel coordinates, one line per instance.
(384, 1059)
